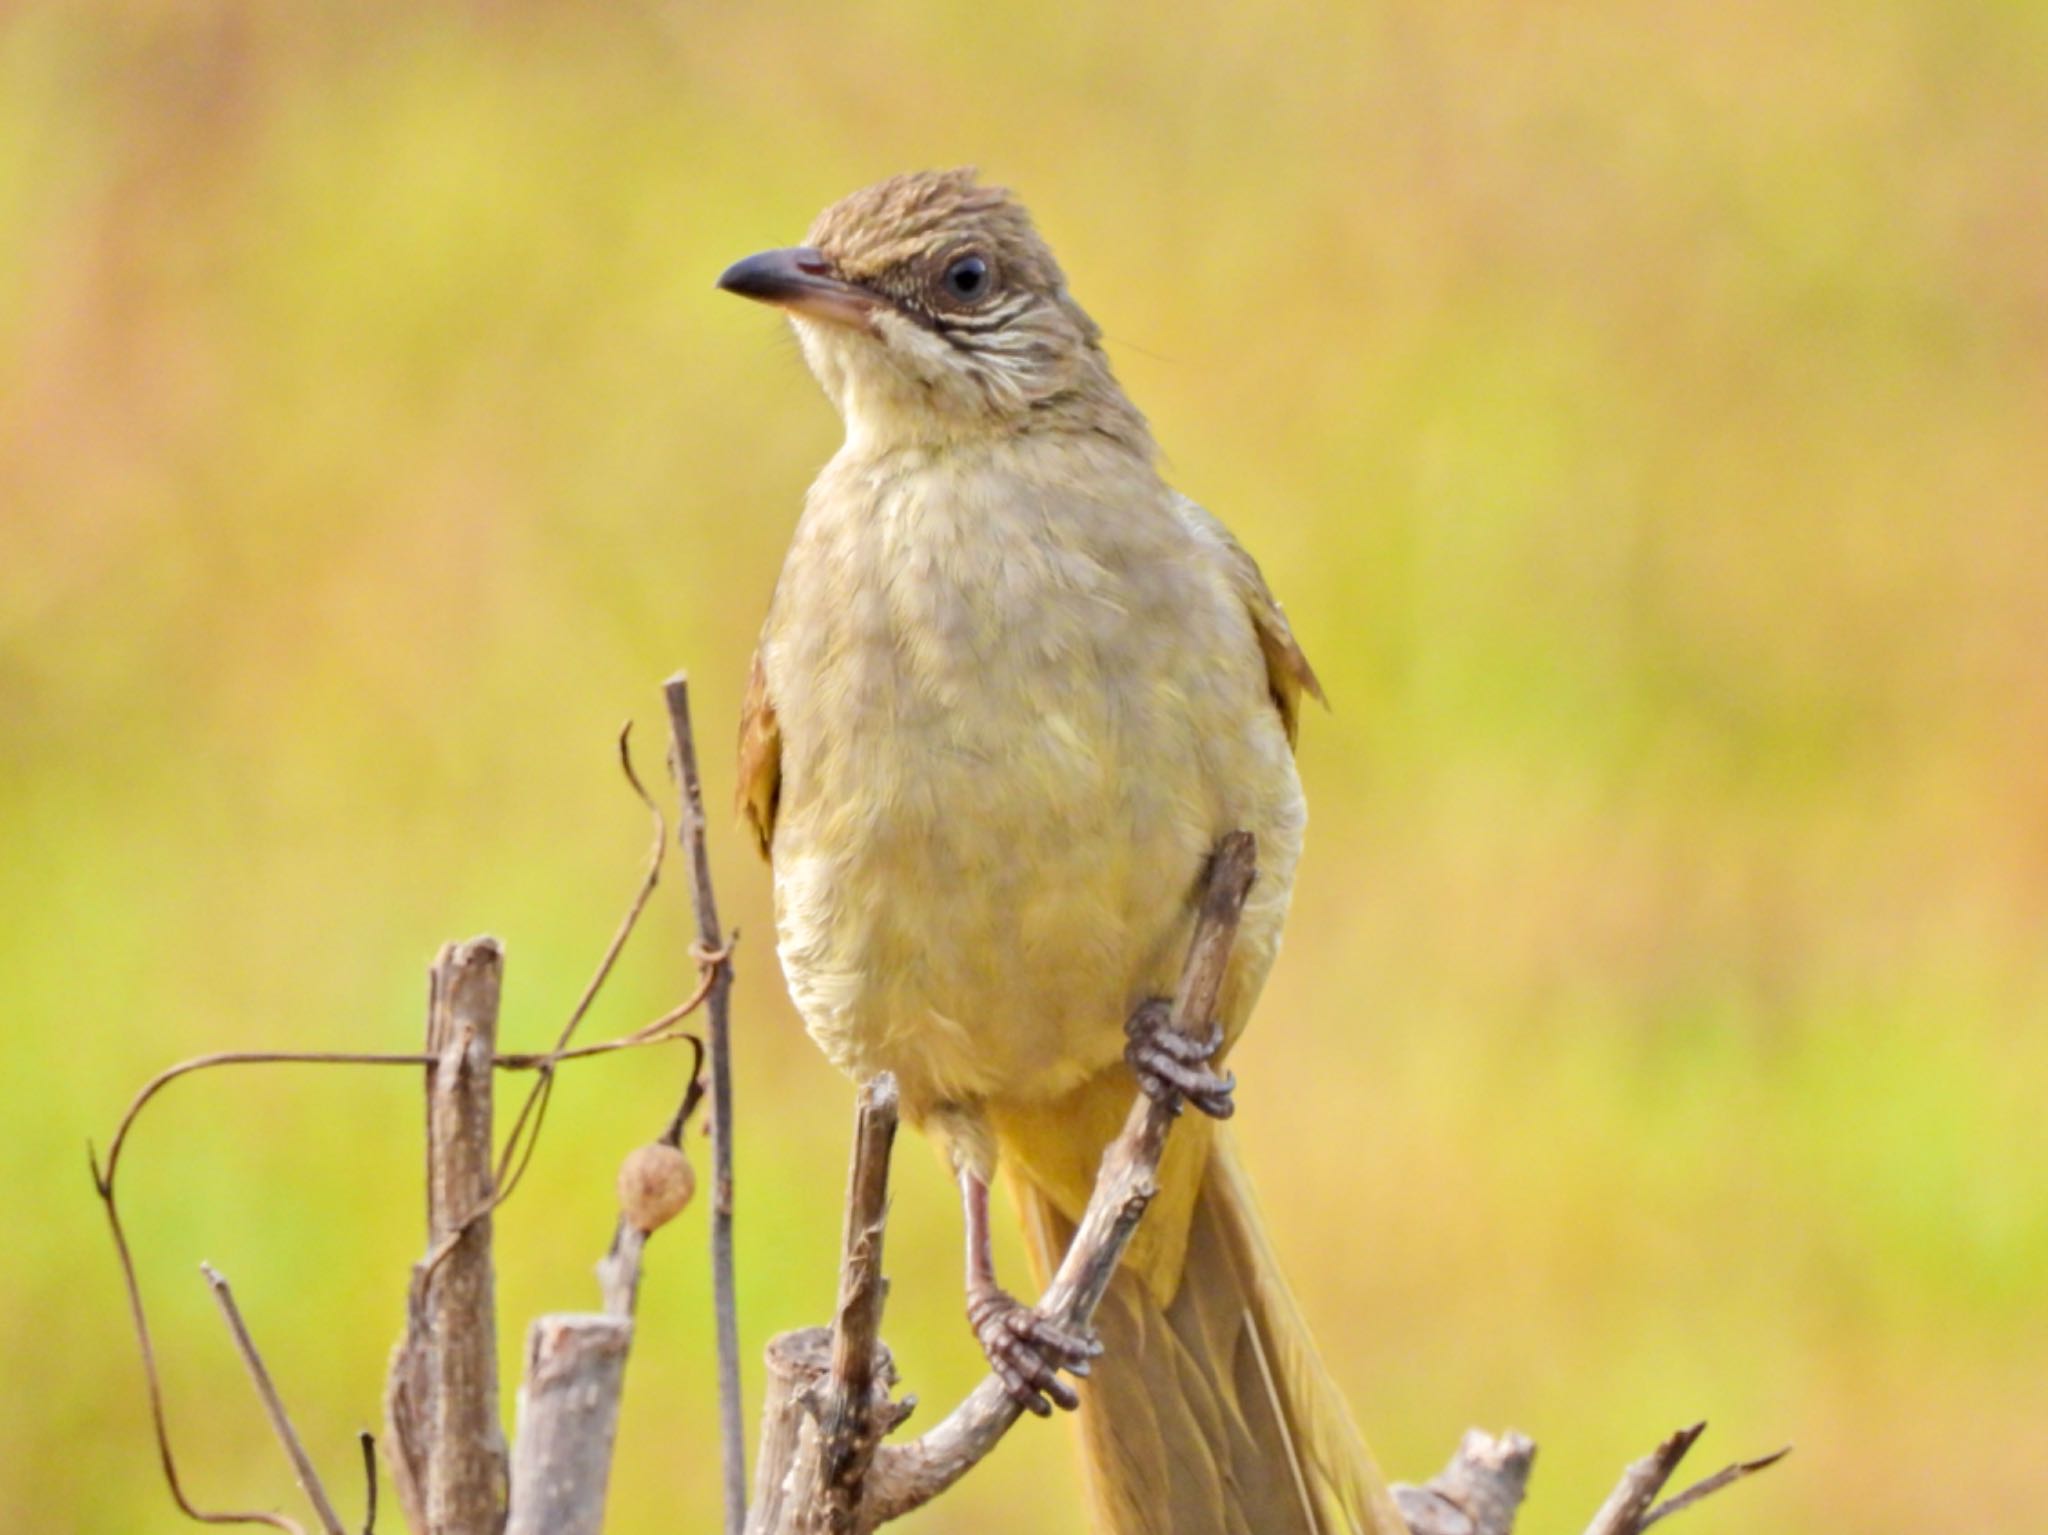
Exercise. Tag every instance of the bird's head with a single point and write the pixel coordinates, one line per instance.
(930, 309)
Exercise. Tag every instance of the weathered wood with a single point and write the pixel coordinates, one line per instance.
(1626, 1506)
(618, 1271)
(848, 1418)
(1478, 1493)
(799, 1364)
(568, 1421)
(828, 1404)
(444, 1442)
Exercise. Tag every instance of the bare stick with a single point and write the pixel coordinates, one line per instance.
(568, 1419)
(1477, 1493)
(441, 1400)
(847, 1425)
(280, 1421)
(618, 1271)
(828, 1392)
(576, 1363)
(1622, 1513)
(1726, 1476)
(904, 1477)
(369, 1444)
(799, 1363)
(711, 949)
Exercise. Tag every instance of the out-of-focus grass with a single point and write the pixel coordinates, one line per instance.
(1642, 414)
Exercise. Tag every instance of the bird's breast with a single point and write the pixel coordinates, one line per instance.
(1013, 714)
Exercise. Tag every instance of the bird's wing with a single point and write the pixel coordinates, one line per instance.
(1287, 670)
(760, 775)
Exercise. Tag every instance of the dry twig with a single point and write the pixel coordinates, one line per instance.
(368, 1441)
(1628, 1510)
(273, 1404)
(852, 1418)
(1622, 1513)
(1477, 1493)
(713, 950)
(1480, 1490)
(568, 1420)
(1726, 1476)
(446, 1450)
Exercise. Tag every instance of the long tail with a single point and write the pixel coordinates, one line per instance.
(1211, 1414)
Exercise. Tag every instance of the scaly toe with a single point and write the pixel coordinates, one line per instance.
(1167, 1079)
(1189, 1049)
(1027, 1351)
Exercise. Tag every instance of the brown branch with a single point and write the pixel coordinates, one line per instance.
(441, 1400)
(799, 1363)
(1622, 1513)
(907, 1476)
(1477, 1493)
(828, 1403)
(848, 1425)
(1726, 1476)
(1627, 1510)
(369, 1444)
(273, 1405)
(568, 1420)
(712, 948)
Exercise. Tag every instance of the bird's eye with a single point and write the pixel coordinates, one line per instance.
(966, 279)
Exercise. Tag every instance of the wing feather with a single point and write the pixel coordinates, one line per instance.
(1288, 673)
(760, 773)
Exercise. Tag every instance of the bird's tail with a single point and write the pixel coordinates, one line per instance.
(1209, 1412)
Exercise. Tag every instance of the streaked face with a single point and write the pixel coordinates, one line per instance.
(927, 305)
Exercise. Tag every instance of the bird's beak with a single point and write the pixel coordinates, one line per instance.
(801, 281)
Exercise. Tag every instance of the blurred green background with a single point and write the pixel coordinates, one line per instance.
(1643, 412)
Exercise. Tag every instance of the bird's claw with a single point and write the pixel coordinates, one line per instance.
(1173, 1067)
(1027, 1350)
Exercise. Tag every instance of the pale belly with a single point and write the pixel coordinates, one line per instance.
(975, 896)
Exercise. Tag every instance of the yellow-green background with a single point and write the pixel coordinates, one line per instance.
(1643, 411)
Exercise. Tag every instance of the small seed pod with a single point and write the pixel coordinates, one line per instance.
(655, 1183)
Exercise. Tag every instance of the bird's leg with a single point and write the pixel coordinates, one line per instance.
(1025, 1348)
(1173, 1067)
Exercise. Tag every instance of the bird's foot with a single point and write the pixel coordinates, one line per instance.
(1027, 1350)
(1173, 1067)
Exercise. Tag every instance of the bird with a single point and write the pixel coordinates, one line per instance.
(1011, 690)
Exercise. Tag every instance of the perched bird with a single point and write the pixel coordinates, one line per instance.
(1011, 691)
